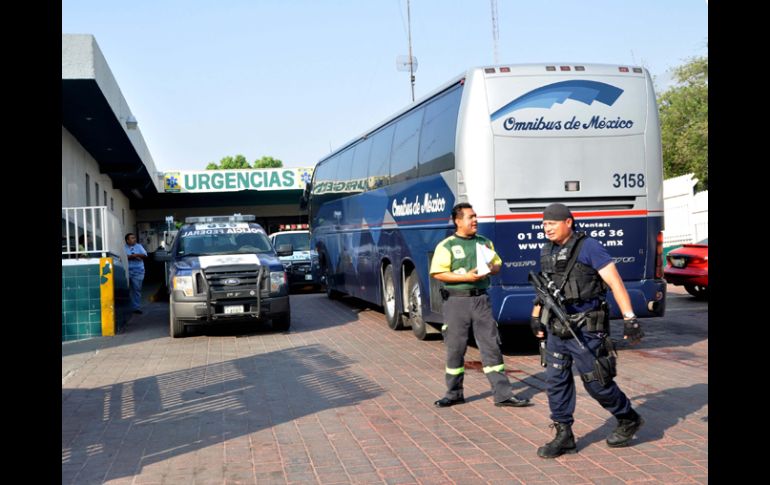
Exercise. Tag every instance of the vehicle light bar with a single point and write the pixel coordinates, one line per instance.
(232, 218)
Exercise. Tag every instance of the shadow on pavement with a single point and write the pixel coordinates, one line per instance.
(661, 411)
(114, 431)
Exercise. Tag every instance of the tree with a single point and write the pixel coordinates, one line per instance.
(268, 162)
(684, 122)
(227, 163)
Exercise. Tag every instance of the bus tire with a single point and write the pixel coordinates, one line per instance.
(414, 306)
(389, 302)
(176, 326)
(331, 293)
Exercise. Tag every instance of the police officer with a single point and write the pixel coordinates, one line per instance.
(466, 303)
(582, 269)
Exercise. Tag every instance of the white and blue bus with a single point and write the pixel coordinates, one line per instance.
(510, 140)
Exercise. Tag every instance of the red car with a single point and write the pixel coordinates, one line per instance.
(689, 266)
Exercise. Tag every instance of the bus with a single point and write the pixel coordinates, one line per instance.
(509, 139)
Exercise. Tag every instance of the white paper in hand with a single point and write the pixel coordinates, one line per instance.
(484, 256)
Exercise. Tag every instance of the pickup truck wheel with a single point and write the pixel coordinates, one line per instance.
(282, 322)
(176, 326)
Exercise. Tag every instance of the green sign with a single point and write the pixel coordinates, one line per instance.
(236, 180)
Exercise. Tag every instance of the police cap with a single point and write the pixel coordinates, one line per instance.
(557, 212)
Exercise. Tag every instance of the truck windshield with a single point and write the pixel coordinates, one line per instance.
(205, 244)
(299, 241)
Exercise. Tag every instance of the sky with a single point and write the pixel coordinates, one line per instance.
(295, 79)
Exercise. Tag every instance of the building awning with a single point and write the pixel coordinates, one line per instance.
(96, 114)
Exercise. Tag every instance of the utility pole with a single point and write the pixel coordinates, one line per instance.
(495, 34)
(411, 60)
(408, 63)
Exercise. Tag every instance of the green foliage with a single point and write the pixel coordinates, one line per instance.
(684, 122)
(228, 163)
(268, 162)
(239, 161)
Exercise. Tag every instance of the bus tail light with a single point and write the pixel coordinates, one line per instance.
(659, 256)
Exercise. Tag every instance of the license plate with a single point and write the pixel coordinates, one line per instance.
(678, 262)
(233, 309)
(308, 277)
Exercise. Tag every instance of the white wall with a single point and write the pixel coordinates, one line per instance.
(685, 213)
(76, 162)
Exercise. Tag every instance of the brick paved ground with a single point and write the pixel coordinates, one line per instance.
(341, 398)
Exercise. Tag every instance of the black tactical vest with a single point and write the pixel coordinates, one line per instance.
(583, 283)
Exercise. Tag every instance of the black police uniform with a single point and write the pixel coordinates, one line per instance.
(582, 285)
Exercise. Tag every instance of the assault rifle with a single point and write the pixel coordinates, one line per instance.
(552, 300)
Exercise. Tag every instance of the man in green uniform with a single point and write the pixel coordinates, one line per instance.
(466, 303)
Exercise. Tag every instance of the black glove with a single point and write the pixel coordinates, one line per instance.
(632, 331)
(536, 326)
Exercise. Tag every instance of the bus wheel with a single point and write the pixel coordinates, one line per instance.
(331, 293)
(414, 307)
(176, 326)
(392, 315)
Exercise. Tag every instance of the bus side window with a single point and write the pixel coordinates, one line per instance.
(379, 158)
(403, 157)
(437, 137)
(360, 165)
(344, 165)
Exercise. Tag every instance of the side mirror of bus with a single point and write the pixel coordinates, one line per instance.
(305, 197)
(161, 255)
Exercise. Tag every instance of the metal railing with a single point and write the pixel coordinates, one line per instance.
(84, 231)
(92, 232)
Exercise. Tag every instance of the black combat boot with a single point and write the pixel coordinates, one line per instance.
(627, 426)
(564, 442)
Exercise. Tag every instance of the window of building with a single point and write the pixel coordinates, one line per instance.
(105, 197)
(112, 204)
(88, 190)
(96, 194)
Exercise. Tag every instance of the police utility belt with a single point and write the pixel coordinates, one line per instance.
(447, 292)
(591, 321)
